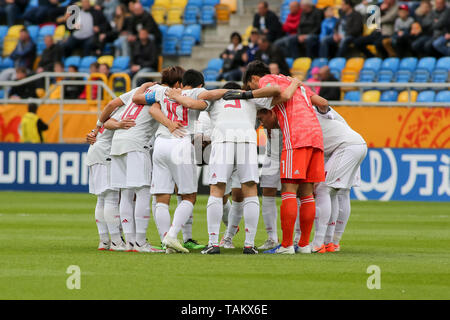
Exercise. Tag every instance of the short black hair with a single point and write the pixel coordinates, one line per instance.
(73, 67)
(255, 68)
(236, 34)
(231, 85)
(193, 78)
(349, 3)
(32, 107)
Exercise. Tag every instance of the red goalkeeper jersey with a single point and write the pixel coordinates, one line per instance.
(296, 117)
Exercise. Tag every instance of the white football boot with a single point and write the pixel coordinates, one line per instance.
(305, 249)
(227, 243)
(117, 247)
(147, 248)
(174, 244)
(103, 246)
(269, 244)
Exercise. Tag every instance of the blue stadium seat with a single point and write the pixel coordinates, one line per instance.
(367, 75)
(336, 65)
(389, 96)
(163, 29)
(2, 93)
(191, 14)
(193, 30)
(197, 3)
(443, 63)
(426, 96)
(284, 12)
(290, 62)
(169, 47)
(147, 3)
(408, 64)
(443, 96)
(186, 44)
(34, 32)
(390, 64)
(7, 62)
(3, 32)
(72, 61)
(426, 63)
(403, 76)
(175, 31)
(208, 16)
(210, 2)
(352, 96)
(420, 76)
(47, 30)
(373, 64)
(215, 63)
(319, 62)
(120, 64)
(210, 74)
(385, 76)
(439, 75)
(86, 62)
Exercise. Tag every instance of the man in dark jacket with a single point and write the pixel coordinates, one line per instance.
(11, 9)
(144, 54)
(329, 93)
(349, 27)
(27, 90)
(267, 22)
(25, 51)
(441, 26)
(271, 54)
(141, 19)
(51, 54)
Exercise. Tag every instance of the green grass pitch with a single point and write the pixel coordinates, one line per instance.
(41, 234)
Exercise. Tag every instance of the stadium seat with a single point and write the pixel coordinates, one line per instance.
(34, 32)
(109, 60)
(175, 31)
(319, 62)
(354, 64)
(210, 2)
(403, 96)
(426, 96)
(443, 63)
(336, 65)
(321, 4)
(194, 30)
(426, 63)
(232, 4)
(223, 13)
(390, 64)
(352, 96)
(210, 74)
(371, 96)
(191, 14)
(6, 63)
(174, 16)
(120, 64)
(443, 96)
(163, 29)
(385, 76)
(403, 76)
(408, 64)
(441, 71)
(373, 64)
(215, 63)
(147, 3)
(208, 15)
(290, 62)
(196, 3)
(3, 32)
(367, 75)
(301, 66)
(72, 61)
(421, 75)
(159, 14)
(169, 47)
(186, 44)
(389, 96)
(60, 32)
(178, 3)
(161, 3)
(11, 39)
(86, 62)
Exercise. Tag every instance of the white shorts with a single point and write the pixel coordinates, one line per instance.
(342, 167)
(233, 182)
(131, 170)
(100, 178)
(173, 164)
(229, 156)
(270, 174)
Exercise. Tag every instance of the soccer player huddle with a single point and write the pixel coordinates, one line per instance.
(148, 142)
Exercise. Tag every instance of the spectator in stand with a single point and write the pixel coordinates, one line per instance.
(25, 51)
(11, 9)
(109, 8)
(388, 10)
(48, 10)
(24, 91)
(328, 23)
(104, 69)
(307, 33)
(267, 22)
(290, 26)
(420, 34)
(314, 78)
(101, 28)
(402, 26)
(329, 93)
(348, 28)
(31, 126)
(441, 27)
(144, 54)
(73, 91)
(93, 68)
(233, 63)
(274, 68)
(118, 33)
(141, 19)
(271, 54)
(51, 54)
(83, 37)
(252, 47)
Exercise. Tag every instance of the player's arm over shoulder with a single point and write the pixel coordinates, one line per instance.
(141, 97)
(185, 101)
(109, 109)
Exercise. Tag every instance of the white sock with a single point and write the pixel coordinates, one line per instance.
(162, 219)
(142, 213)
(323, 213)
(333, 217)
(112, 215)
(214, 212)
(297, 230)
(126, 210)
(179, 199)
(269, 213)
(226, 212)
(153, 206)
(235, 216)
(251, 217)
(343, 196)
(102, 227)
(182, 214)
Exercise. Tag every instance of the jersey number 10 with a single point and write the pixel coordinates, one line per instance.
(132, 111)
(172, 112)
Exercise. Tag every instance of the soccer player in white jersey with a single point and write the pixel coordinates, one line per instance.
(344, 150)
(131, 166)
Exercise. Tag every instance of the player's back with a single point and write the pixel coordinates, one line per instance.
(233, 120)
(100, 150)
(296, 116)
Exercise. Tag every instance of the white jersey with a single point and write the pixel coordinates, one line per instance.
(336, 132)
(176, 112)
(204, 125)
(136, 138)
(100, 150)
(234, 121)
